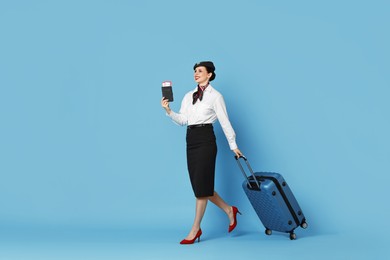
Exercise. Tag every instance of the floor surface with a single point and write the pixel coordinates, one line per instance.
(141, 243)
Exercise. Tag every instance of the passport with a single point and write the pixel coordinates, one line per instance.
(167, 90)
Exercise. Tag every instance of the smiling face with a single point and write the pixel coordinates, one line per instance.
(201, 75)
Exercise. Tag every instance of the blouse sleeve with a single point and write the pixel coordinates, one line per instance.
(181, 117)
(220, 110)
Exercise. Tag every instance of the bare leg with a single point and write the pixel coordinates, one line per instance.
(200, 209)
(217, 200)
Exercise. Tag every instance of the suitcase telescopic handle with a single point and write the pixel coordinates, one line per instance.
(250, 170)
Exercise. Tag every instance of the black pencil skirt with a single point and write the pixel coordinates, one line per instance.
(201, 156)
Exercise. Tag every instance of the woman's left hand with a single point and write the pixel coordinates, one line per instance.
(238, 152)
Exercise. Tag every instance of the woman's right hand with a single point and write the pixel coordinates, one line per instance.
(165, 105)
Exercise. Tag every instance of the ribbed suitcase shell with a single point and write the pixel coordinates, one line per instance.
(274, 203)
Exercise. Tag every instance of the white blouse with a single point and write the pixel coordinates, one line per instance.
(207, 111)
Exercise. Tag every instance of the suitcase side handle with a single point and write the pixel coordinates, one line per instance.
(250, 170)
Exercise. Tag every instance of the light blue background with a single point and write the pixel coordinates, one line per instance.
(92, 168)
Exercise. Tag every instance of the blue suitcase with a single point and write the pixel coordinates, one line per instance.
(273, 201)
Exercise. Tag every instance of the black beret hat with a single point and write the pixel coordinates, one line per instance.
(208, 64)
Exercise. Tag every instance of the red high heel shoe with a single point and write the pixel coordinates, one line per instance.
(233, 226)
(188, 242)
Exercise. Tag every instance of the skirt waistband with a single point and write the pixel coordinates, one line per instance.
(199, 125)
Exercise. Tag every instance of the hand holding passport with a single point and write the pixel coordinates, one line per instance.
(167, 90)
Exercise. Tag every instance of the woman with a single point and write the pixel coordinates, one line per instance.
(200, 108)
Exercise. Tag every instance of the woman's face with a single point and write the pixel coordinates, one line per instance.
(201, 75)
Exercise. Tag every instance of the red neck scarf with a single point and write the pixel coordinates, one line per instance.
(198, 94)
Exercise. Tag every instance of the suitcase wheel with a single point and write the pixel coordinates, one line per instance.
(268, 232)
(293, 236)
(304, 225)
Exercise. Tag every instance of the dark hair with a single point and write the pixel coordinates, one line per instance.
(210, 68)
(212, 76)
